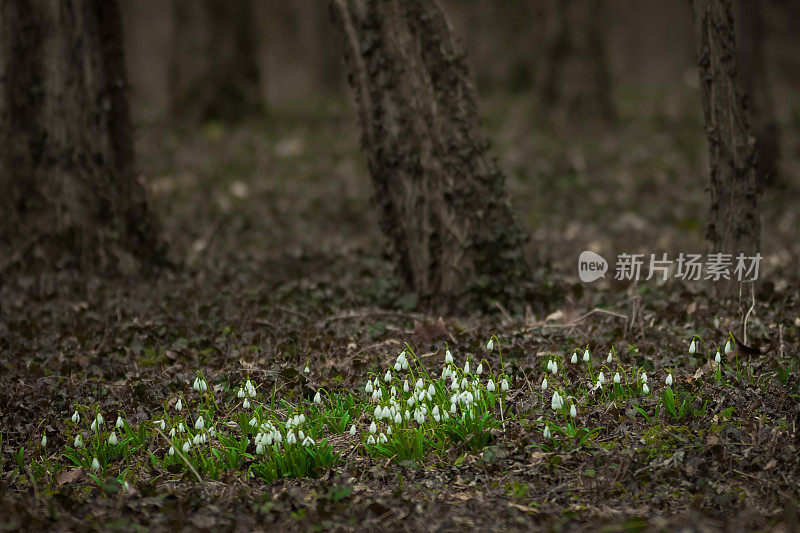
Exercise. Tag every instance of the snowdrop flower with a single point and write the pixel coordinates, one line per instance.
(204, 386)
(479, 370)
(259, 448)
(453, 408)
(353, 429)
(644, 377)
(181, 428)
(99, 419)
(308, 441)
(556, 403)
(172, 432)
(574, 358)
(75, 417)
(160, 424)
(504, 385)
(240, 393)
(78, 441)
(196, 439)
(398, 419)
(544, 384)
(466, 367)
(728, 348)
(490, 344)
(645, 388)
(186, 447)
(93, 427)
(419, 384)
(572, 411)
(290, 438)
(718, 358)
(668, 381)
(95, 464)
(490, 386)
(448, 357)
(44, 440)
(318, 398)
(178, 405)
(549, 365)
(372, 427)
(388, 376)
(253, 422)
(464, 383)
(368, 387)
(171, 451)
(197, 425)
(120, 422)
(371, 439)
(383, 438)
(435, 413)
(546, 432)
(398, 366)
(405, 386)
(306, 370)
(616, 378)
(112, 439)
(586, 356)
(301, 435)
(609, 358)
(601, 378)
(555, 368)
(693, 347)
(246, 404)
(387, 414)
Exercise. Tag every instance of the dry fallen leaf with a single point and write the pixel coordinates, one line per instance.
(70, 476)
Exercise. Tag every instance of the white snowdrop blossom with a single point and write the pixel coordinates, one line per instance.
(246, 403)
(718, 358)
(504, 385)
(601, 378)
(172, 432)
(240, 393)
(372, 427)
(171, 451)
(405, 386)
(353, 429)
(693, 347)
(586, 356)
(178, 405)
(75, 417)
(120, 422)
(419, 384)
(388, 376)
(112, 439)
(544, 384)
(187, 446)
(78, 441)
(573, 412)
(306, 370)
(448, 357)
(645, 388)
(44, 440)
(555, 368)
(200, 424)
(546, 432)
(318, 398)
(574, 358)
(466, 367)
(308, 441)
(397, 418)
(93, 427)
(549, 365)
(668, 381)
(557, 402)
(490, 344)
(644, 377)
(99, 419)
(95, 464)
(368, 387)
(728, 348)
(490, 386)
(616, 378)
(479, 370)
(371, 439)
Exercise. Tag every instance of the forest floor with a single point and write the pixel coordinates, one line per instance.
(281, 267)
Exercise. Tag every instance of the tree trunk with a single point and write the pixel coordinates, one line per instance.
(214, 74)
(750, 54)
(734, 226)
(574, 82)
(443, 209)
(70, 195)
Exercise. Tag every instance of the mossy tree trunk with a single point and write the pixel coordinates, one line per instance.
(443, 209)
(69, 192)
(734, 225)
(574, 83)
(214, 72)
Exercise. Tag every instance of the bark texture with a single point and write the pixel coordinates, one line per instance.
(441, 196)
(753, 68)
(734, 226)
(574, 82)
(214, 73)
(69, 191)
